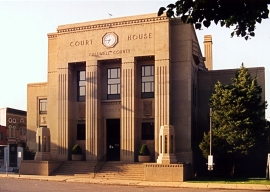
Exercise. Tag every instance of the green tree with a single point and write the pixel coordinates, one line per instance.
(243, 14)
(238, 123)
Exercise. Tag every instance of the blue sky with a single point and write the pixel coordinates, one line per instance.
(25, 24)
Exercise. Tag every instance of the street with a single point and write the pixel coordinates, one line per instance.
(25, 185)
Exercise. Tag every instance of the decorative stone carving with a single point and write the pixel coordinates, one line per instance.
(147, 108)
(42, 120)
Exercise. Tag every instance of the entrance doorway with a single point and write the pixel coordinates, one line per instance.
(113, 139)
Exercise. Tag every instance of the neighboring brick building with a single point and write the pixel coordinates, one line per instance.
(12, 126)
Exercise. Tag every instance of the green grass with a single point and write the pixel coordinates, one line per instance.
(236, 180)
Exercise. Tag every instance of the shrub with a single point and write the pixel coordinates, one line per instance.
(144, 150)
(76, 150)
(28, 154)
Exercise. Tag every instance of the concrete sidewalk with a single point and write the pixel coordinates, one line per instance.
(84, 179)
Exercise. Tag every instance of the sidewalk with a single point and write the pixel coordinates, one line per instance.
(138, 183)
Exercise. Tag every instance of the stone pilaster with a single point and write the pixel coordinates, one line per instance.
(128, 109)
(166, 145)
(93, 129)
(162, 97)
(63, 114)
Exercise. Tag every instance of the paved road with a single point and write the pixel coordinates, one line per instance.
(25, 185)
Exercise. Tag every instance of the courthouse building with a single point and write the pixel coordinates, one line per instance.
(113, 83)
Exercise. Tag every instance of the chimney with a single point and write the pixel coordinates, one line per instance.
(208, 52)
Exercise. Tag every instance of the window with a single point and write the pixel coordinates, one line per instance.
(114, 83)
(148, 81)
(42, 106)
(1, 136)
(147, 131)
(22, 131)
(81, 85)
(80, 131)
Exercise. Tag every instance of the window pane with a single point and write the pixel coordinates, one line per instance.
(113, 83)
(148, 81)
(82, 91)
(118, 89)
(149, 78)
(43, 105)
(147, 70)
(114, 73)
(147, 87)
(82, 75)
(113, 89)
(82, 83)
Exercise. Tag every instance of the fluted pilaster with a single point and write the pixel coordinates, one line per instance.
(128, 110)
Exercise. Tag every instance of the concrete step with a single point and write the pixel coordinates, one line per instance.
(75, 168)
(123, 171)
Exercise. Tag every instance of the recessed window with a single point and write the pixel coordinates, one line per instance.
(114, 83)
(148, 131)
(80, 131)
(1, 136)
(148, 81)
(42, 106)
(81, 85)
(22, 131)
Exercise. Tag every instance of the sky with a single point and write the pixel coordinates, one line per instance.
(23, 40)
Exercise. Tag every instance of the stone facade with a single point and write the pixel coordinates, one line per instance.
(113, 83)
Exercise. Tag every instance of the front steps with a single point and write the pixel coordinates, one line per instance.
(110, 170)
(76, 168)
(122, 171)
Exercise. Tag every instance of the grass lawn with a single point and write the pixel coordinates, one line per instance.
(235, 180)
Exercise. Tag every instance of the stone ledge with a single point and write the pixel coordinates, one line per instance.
(169, 172)
(31, 167)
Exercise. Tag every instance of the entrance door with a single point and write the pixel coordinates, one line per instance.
(113, 139)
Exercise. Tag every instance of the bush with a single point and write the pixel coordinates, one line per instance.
(28, 154)
(144, 150)
(76, 150)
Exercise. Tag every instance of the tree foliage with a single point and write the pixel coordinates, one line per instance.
(243, 14)
(238, 122)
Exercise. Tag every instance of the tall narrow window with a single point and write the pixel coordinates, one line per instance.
(148, 131)
(81, 85)
(42, 106)
(114, 88)
(148, 81)
(80, 131)
(1, 136)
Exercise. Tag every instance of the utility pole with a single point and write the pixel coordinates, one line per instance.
(210, 156)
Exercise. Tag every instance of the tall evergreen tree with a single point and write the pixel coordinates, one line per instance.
(238, 122)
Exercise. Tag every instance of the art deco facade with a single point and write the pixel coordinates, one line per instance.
(113, 83)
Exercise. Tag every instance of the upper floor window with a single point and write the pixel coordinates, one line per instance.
(114, 83)
(1, 136)
(42, 106)
(81, 85)
(148, 81)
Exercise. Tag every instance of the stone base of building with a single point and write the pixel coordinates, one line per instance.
(43, 156)
(166, 159)
(169, 172)
(31, 167)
